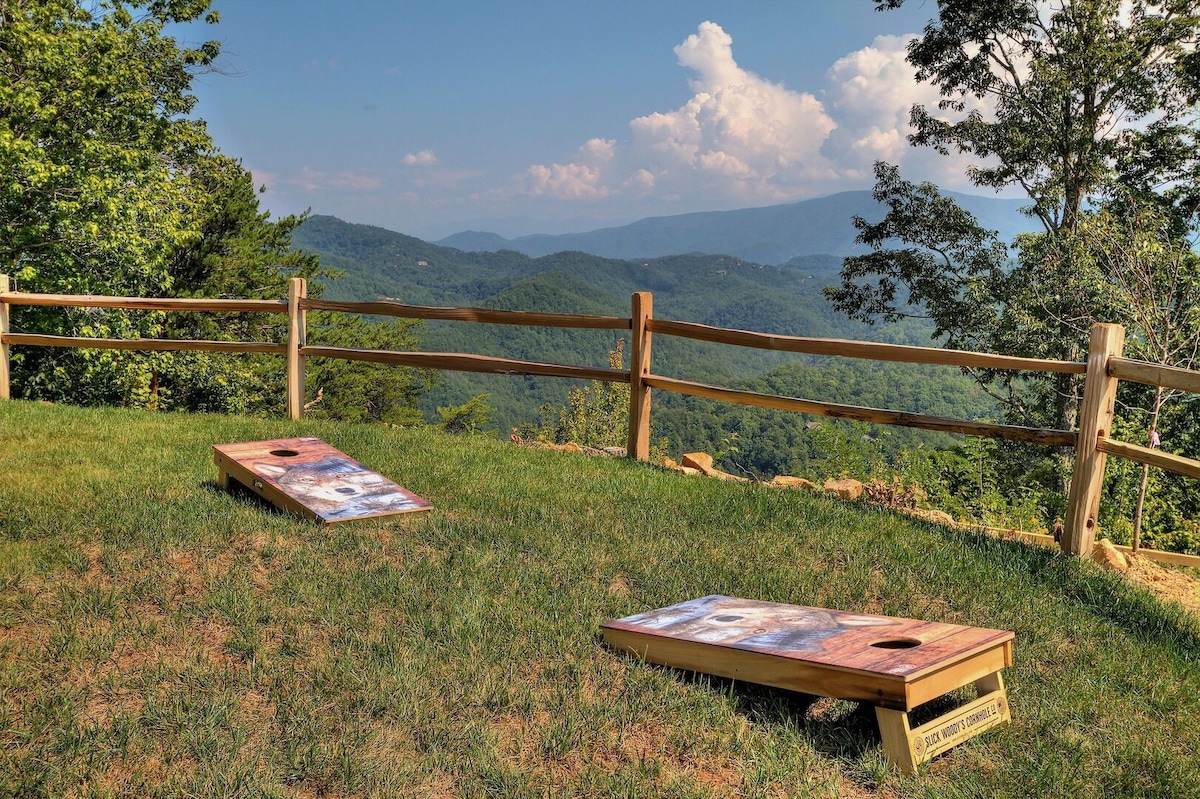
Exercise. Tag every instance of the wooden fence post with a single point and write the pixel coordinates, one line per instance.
(297, 339)
(5, 390)
(639, 364)
(1095, 421)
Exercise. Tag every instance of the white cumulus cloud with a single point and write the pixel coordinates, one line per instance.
(739, 134)
(741, 138)
(422, 158)
(871, 92)
(582, 179)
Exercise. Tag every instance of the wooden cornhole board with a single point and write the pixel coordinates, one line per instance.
(893, 663)
(309, 478)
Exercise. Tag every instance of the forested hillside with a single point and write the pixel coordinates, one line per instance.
(710, 289)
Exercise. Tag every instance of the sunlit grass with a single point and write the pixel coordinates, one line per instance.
(161, 637)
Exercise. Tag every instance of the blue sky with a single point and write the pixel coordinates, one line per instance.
(522, 117)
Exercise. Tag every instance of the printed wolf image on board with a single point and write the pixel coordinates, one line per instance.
(335, 488)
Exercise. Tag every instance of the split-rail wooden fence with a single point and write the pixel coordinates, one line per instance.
(1092, 443)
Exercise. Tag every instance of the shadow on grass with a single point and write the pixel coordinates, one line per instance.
(842, 730)
(243, 494)
(1104, 595)
(835, 728)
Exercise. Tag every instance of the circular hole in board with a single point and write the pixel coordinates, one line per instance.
(896, 643)
(285, 453)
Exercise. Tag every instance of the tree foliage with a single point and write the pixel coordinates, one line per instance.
(360, 391)
(596, 414)
(1089, 108)
(110, 185)
(1072, 102)
(93, 132)
(95, 139)
(236, 252)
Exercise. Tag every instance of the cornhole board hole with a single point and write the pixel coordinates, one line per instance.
(309, 478)
(893, 663)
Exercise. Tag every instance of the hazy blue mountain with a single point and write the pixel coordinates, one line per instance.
(769, 235)
(476, 241)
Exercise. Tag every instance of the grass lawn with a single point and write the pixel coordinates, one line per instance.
(161, 637)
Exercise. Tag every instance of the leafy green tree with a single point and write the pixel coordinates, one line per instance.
(1086, 100)
(94, 135)
(1152, 276)
(1085, 96)
(238, 252)
(470, 417)
(360, 391)
(596, 415)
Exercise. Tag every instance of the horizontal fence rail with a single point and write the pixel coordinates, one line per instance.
(1153, 457)
(468, 363)
(1152, 374)
(1105, 366)
(1033, 435)
(146, 344)
(483, 315)
(146, 304)
(860, 349)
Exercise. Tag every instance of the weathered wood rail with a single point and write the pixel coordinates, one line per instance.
(1103, 369)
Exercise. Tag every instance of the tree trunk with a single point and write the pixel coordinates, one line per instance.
(1141, 499)
(1066, 417)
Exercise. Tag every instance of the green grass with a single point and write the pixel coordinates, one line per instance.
(161, 637)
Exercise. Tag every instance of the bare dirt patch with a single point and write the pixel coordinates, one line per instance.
(1166, 583)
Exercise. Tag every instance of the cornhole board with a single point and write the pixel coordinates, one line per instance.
(895, 664)
(309, 478)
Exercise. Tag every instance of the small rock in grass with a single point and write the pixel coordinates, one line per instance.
(846, 488)
(1109, 556)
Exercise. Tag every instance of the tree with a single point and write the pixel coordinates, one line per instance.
(108, 185)
(596, 415)
(1086, 100)
(237, 252)
(94, 141)
(360, 391)
(1086, 96)
(470, 417)
(1152, 276)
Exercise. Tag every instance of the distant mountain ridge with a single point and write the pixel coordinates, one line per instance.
(769, 235)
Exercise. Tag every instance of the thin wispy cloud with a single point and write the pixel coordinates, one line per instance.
(311, 181)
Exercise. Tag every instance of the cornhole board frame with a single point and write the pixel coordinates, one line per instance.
(893, 663)
(309, 478)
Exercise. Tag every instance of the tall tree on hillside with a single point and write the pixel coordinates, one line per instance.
(109, 186)
(237, 252)
(1075, 103)
(1085, 96)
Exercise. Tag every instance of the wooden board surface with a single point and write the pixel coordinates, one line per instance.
(893, 662)
(309, 477)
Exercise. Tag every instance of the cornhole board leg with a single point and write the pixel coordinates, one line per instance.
(906, 747)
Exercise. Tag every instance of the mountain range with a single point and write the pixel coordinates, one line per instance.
(769, 235)
(711, 289)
